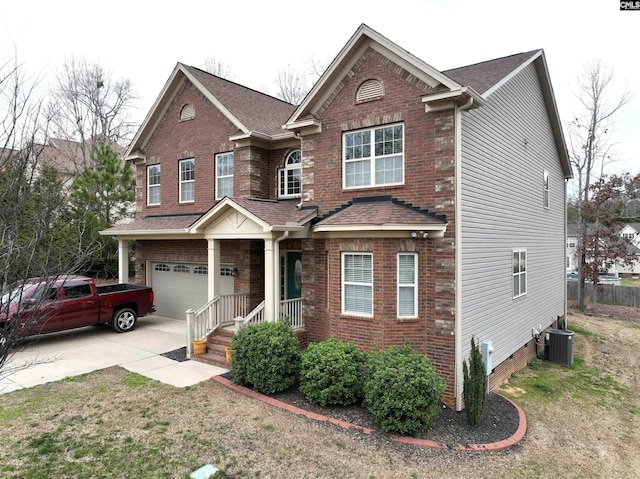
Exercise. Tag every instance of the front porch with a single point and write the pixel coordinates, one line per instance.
(219, 319)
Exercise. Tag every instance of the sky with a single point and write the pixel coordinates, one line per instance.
(143, 41)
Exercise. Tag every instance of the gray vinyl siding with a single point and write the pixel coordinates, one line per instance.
(506, 146)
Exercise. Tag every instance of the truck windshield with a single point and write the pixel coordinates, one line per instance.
(14, 293)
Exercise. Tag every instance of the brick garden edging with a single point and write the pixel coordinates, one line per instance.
(490, 447)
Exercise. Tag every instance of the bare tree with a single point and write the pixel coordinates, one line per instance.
(38, 235)
(590, 148)
(217, 67)
(90, 106)
(292, 84)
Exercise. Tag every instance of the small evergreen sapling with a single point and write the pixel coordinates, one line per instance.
(475, 386)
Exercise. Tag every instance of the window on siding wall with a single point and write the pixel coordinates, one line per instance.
(224, 175)
(290, 177)
(153, 185)
(373, 157)
(545, 189)
(357, 284)
(407, 285)
(519, 273)
(187, 180)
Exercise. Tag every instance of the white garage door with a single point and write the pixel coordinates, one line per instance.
(182, 286)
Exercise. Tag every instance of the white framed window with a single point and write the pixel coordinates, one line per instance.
(187, 180)
(519, 272)
(290, 177)
(224, 175)
(357, 284)
(200, 270)
(153, 185)
(162, 267)
(407, 285)
(545, 189)
(373, 157)
(181, 268)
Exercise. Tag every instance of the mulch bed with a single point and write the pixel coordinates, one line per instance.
(450, 428)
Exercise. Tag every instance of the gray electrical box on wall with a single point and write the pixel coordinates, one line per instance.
(560, 346)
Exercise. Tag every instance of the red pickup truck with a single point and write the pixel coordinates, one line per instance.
(68, 302)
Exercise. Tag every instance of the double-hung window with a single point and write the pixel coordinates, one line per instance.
(373, 157)
(407, 285)
(519, 273)
(290, 177)
(187, 180)
(357, 284)
(153, 185)
(224, 175)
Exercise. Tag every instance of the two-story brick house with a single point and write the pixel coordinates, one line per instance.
(396, 202)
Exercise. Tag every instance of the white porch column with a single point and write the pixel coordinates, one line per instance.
(213, 285)
(269, 283)
(123, 261)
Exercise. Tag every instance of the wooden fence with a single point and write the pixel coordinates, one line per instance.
(608, 293)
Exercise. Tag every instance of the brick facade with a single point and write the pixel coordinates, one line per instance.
(429, 174)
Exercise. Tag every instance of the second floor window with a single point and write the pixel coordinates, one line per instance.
(519, 273)
(153, 185)
(224, 175)
(187, 180)
(290, 177)
(373, 157)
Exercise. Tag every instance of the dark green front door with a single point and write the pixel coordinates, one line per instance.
(294, 274)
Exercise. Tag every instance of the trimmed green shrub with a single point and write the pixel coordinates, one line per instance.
(331, 373)
(402, 390)
(266, 357)
(475, 386)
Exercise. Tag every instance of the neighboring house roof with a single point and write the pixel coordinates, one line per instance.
(250, 111)
(380, 213)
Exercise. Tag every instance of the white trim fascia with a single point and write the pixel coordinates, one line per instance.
(310, 126)
(368, 37)
(230, 116)
(137, 158)
(149, 234)
(385, 227)
(151, 113)
(508, 78)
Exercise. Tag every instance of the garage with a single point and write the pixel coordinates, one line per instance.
(182, 286)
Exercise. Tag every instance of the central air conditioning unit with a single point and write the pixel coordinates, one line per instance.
(559, 346)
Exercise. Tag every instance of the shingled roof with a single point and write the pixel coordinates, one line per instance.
(257, 111)
(485, 75)
(379, 210)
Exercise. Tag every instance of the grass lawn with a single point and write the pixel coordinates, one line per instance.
(630, 282)
(583, 422)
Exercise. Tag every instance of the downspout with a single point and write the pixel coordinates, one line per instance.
(458, 256)
(276, 270)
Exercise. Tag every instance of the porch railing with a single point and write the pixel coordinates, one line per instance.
(232, 308)
(254, 317)
(292, 308)
(220, 311)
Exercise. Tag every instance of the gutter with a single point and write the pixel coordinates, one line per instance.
(458, 255)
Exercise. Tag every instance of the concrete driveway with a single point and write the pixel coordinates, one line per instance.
(58, 355)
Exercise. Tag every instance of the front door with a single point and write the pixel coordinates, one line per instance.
(294, 274)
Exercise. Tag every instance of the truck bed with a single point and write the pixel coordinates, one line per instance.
(114, 288)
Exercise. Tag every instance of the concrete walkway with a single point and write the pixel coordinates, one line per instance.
(58, 355)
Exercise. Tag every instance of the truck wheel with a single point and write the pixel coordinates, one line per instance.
(124, 320)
